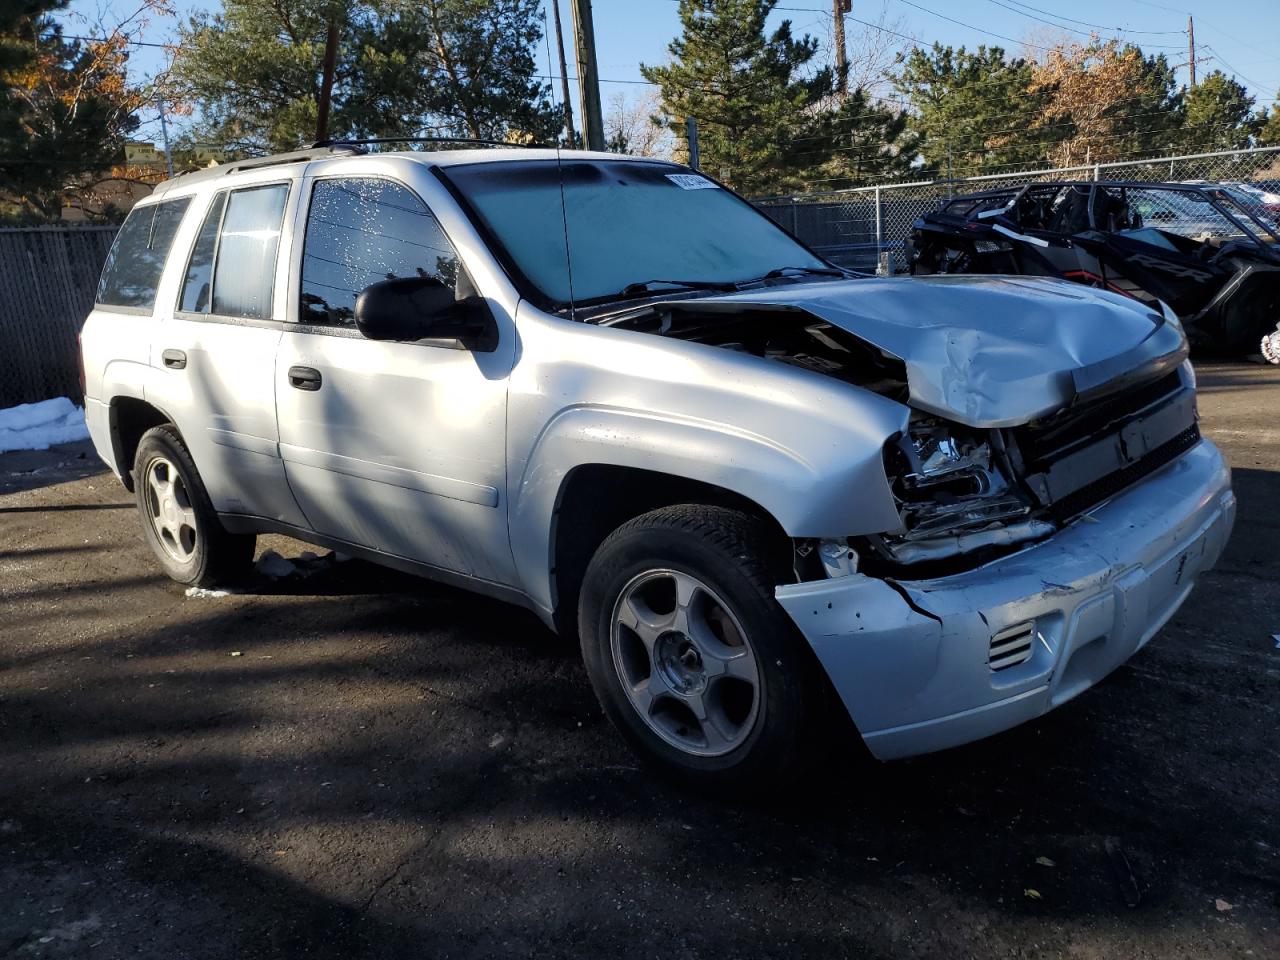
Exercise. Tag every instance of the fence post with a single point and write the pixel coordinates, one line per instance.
(795, 217)
(1097, 172)
(879, 229)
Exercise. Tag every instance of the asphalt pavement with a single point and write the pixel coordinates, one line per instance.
(345, 762)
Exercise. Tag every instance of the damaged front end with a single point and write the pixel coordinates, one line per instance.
(956, 493)
(966, 495)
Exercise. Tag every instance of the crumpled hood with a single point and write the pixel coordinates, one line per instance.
(989, 351)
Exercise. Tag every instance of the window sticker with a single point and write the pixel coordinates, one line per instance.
(691, 181)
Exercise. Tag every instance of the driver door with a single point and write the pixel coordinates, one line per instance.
(396, 447)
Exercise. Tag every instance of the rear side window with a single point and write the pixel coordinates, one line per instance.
(136, 261)
(232, 268)
(361, 230)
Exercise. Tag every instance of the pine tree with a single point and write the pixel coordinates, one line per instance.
(748, 90)
(863, 142)
(66, 108)
(972, 110)
(458, 67)
(1219, 115)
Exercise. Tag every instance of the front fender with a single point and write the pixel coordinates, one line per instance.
(812, 485)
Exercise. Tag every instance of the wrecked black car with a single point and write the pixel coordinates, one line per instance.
(1197, 248)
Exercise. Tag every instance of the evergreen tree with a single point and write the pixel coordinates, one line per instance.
(860, 142)
(456, 67)
(748, 90)
(1269, 131)
(1219, 115)
(972, 110)
(66, 108)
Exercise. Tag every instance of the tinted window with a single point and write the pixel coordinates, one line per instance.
(196, 284)
(245, 268)
(133, 267)
(237, 247)
(360, 231)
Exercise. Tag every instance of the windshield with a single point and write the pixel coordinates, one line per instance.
(626, 223)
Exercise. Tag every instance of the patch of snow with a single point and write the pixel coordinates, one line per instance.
(38, 426)
(205, 593)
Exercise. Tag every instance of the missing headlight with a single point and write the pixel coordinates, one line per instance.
(949, 482)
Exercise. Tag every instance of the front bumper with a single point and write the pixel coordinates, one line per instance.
(911, 660)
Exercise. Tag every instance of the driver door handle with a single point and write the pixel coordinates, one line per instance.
(304, 378)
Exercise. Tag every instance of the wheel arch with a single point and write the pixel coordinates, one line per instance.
(130, 418)
(583, 518)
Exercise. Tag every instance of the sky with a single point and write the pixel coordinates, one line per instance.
(1239, 37)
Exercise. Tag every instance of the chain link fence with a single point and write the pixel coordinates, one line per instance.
(48, 276)
(865, 228)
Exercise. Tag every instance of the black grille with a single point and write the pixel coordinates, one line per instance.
(1088, 496)
(1055, 438)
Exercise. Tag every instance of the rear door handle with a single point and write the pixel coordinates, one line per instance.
(304, 378)
(174, 359)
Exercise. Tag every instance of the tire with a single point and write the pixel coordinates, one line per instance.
(734, 665)
(178, 519)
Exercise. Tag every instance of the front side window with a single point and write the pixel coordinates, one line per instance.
(136, 261)
(361, 230)
(583, 230)
(232, 268)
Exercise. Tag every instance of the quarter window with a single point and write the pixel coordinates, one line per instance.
(361, 230)
(136, 261)
(233, 263)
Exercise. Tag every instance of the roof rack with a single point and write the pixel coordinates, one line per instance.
(250, 163)
(364, 141)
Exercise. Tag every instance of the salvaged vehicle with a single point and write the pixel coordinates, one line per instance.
(1203, 250)
(608, 389)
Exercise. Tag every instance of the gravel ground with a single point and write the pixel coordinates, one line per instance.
(355, 763)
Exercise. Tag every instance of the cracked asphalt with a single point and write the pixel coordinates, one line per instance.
(356, 763)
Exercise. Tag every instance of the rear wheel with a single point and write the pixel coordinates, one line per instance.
(691, 656)
(178, 519)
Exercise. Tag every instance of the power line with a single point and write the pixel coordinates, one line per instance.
(999, 36)
(1086, 23)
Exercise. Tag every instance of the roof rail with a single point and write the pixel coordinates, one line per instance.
(250, 163)
(295, 156)
(363, 141)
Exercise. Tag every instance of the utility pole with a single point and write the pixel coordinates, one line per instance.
(1191, 45)
(588, 76)
(564, 74)
(838, 9)
(326, 81)
(164, 134)
(691, 135)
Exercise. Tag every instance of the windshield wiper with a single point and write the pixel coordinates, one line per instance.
(645, 286)
(810, 271)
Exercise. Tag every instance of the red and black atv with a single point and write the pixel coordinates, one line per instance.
(1195, 247)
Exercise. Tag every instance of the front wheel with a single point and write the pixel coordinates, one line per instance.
(688, 651)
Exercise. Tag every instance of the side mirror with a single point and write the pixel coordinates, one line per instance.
(421, 308)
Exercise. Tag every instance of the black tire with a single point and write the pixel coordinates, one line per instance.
(211, 556)
(732, 554)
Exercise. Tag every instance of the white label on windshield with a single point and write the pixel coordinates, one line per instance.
(691, 181)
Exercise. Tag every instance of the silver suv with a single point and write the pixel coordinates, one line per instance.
(754, 486)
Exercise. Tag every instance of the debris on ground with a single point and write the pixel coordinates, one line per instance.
(1222, 906)
(1123, 872)
(38, 426)
(204, 593)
